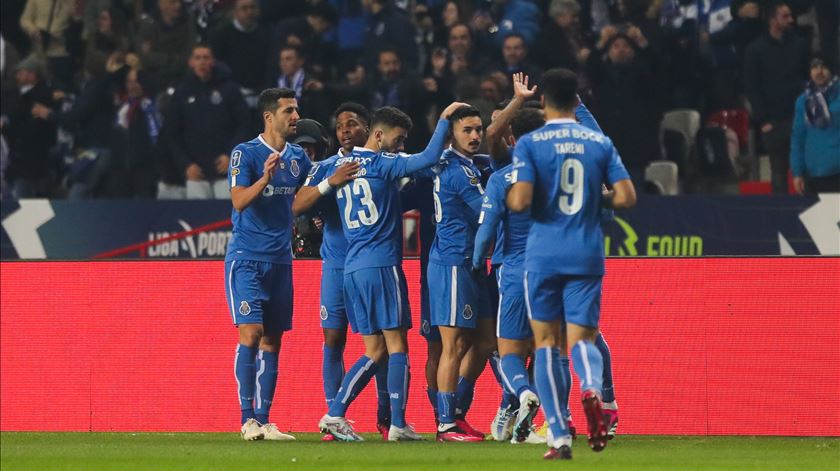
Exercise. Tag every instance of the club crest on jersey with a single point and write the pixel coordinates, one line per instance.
(324, 313)
(235, 158)
(295, 169)
(234, 172)
(244, 308)
(468, 312)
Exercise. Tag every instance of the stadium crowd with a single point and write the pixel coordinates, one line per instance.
(146, 98)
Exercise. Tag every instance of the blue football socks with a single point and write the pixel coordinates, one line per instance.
(608, 394)
(266, 381)
(589, 366)
(549, 380)
(245, 372)
(398, 380)
(354, 382)
(332, 370)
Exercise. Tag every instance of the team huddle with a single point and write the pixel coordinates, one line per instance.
(538, 199)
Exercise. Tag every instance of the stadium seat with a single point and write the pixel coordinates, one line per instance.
(664, 176)
(684, 121)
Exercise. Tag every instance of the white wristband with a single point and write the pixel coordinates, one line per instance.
(324, 187)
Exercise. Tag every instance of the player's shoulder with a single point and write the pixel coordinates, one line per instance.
(246, 149)
(394, 155)
(294, 151)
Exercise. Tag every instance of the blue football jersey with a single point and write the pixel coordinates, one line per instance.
(567, 164)
(369, 206)
(334, 244)
(512, 227)
(457, 193)
(263, 231)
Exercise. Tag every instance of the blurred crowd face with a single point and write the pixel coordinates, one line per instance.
(490, 91)
(820, 75)
(460, 42)
(290, 62)
(389, 65)
(103, 22)
(782, 20)
(246, 13)
(25, 77)
(169, 9)
(513, 51)
(467, 134)
(568, 20)
(202, 62)
(621, 52)
(450, 14)
(132, 85)
(350, 130)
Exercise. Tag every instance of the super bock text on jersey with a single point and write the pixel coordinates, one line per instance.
(567, 163)
(258, 264)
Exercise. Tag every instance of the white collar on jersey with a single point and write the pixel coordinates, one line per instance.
(272, 149)
(452, 149)
(363, 149)
(561, 121)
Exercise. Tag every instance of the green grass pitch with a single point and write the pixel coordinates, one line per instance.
(184, 451)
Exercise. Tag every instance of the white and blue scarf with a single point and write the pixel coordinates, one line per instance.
(816, 103)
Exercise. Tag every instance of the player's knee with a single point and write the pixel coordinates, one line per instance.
(250, 335)
(377, 353)
(335, 338)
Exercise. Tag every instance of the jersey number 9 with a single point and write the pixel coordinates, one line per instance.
(571, 183)
(360, 186)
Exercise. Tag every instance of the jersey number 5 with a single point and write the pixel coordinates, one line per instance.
(438, 206)
(360, 186)
(571, 183)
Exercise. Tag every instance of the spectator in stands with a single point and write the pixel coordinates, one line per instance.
(405, 91)
(729, 46)
(465, 57)
(136, 138)
(164, 42)
(390, 27)
(47, 23)
(561, 42)
(450, 15)
(243, 45)
(206, 118)
(208, 16)
(311, 97)
(307, 33)
(515, 59)
(90, 117)
(110, 36)
(815, 142)
(776, 65)
(30, 172)
(626, 89)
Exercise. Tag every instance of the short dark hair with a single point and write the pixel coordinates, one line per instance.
(353, 107)
(460, 23)
(391, 117)
(559, 88)
(323, 10)
(773, 8)
(525, 121)
(465, 111)
(268, 98)
(388, 49)
(202, 46)
(532, 104)
(291, 47)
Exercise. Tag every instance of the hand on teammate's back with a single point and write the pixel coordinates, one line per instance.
(344, 174)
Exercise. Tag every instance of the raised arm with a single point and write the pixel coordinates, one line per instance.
(430, 156)
(495, 133)
(585, 117)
